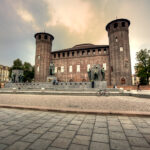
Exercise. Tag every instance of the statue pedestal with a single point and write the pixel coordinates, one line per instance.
(51, 78)
(100, 84)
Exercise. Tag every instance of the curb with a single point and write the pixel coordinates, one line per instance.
(79, 111)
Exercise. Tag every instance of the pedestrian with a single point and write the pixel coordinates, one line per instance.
(138, 86)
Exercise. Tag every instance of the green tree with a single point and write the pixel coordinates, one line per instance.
(28, 72)
(142, 67)
(17, 64)
(26, 67)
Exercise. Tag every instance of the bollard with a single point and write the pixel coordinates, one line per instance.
(42, 90)
(14, 90)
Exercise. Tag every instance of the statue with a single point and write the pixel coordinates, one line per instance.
(96, 73)
(89, 74)
(103, 74)
(51, 69)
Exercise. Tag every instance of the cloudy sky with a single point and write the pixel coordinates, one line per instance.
(71, 22)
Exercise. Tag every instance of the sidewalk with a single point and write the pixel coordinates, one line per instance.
(121, 105)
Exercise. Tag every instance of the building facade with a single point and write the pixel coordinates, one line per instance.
(4, 73)
(72, 64)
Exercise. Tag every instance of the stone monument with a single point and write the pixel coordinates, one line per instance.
(17, 76)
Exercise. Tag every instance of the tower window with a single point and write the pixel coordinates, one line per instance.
(82, 52)
(78, 53)
(116, 39)
(63, 54)
(58, 55)
(104, 50)
(39, 37)
(54, 55)
(78, 68)
(88, 52)
(93, 52)
(123, 24)
(115, 25)
(121, 49)
(45, 37)
(99, 51)
(38, 57)
(68, 54)
(72, 53)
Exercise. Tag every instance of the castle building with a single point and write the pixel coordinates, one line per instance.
(72, 64)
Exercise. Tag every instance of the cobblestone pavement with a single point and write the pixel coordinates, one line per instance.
(39, 130)
(110, 103)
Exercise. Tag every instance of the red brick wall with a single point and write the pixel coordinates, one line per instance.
(83, 61)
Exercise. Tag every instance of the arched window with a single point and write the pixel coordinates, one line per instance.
(123, 24)
(71, 80)
(83, 80)
(45, 37)
(123, 81)
(39, 37)
(115, 25)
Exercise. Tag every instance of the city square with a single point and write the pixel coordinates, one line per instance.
(74, 75)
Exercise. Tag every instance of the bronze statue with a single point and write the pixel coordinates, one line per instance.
(96, 73)
(51, 69)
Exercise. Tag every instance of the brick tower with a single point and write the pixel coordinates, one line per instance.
(43, 55)
(120, 63)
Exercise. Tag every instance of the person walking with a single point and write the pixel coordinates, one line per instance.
(138, 86)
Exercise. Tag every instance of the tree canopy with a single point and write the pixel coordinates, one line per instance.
(27, 68)
(142, 66)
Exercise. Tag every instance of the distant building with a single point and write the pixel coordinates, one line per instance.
(135, 79)
(4, 73)
(72, 64)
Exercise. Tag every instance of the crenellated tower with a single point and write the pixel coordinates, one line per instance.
(43, 55)
(120, 62)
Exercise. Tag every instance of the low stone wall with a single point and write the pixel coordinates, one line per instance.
(132, 87)
(59, 86)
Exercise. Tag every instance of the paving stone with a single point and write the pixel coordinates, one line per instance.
(72, 127)
(67, 134)
(115, 128)
(119, 145)
(54, 148)
(76, 122)
(117, 135)
(61, 142)
(6, 132)
(10, 139)
(50, 135)
(2, 127)
(80, 139)
(140, 148)
(82, 131)
(128, 126)
(100, 130)
(48, 125)
(40, 130)
(133, 133)
(56, 129)
(114, 123)
(33, 125)
(2, 146)
(144, 130)
(78, 147)
(23, 131)
(31, 137)
(100, 138)
(87, 126)
(99, 146)
(40, 144)
(19, 146)
(147, 137)
(135, 141)
(101, 124)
